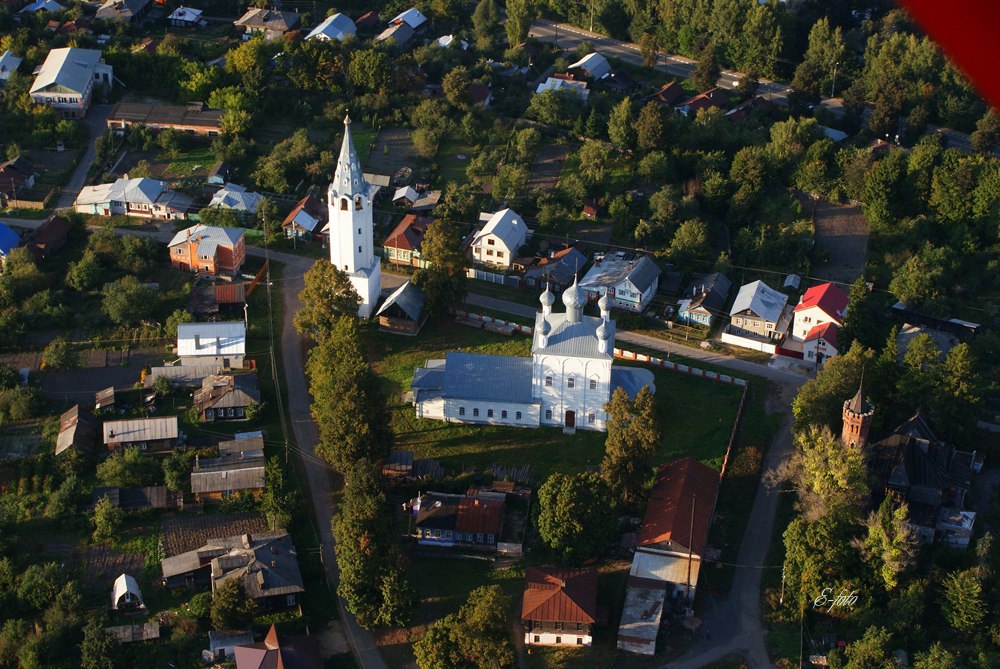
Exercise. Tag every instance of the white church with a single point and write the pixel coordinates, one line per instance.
(565, 383)
(349, 202)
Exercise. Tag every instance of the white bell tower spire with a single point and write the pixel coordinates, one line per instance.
(349, 202)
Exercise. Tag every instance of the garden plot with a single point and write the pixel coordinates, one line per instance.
(187, 532)
(841, 236)
(547, 168)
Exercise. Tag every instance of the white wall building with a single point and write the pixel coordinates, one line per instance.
(498, 242)
(632, 282)
(66, 80)
(566, 382)
(352, 249)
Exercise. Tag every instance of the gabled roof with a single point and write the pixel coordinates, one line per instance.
(668, 94)
(8, 64)
(438, 510)
(225, 338)
(125, 584)
(301, 652)
(479, 515)
(552, 594)
(409, 233)
(70, 67)
(232, 472)
(307, 214)
(507, 225)
(401, 33)
(578, 88)
(411, 17)
(121, 9)
(188, 14)
(828, 332)
(408, 298)
(140, 429)
(407, 193)
(614, 269)
(760, 299)
(338, 27)
(446, 41)
(224, 391)
(829, 298)
(561, 268)
(48, 236)
(708, 291)
(714, 97)
(234, 196)
(678, 485)
(44, 6)
(594, 64)
(225, 237)
(476, 376)
(268, 19)
(77, 429)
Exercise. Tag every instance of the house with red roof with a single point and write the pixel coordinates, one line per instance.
(446, 520)
(559, 607)
(402, 246)
(714, 98)
(821, 343)
(306, 220)
(817, 320)
(667, 94)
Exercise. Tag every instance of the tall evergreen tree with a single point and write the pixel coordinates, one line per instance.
(889, 545)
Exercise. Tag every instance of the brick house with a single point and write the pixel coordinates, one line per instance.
(208, 250)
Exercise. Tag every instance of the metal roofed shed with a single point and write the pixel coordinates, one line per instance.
(594, 64)
(125, 594)
(336, 27)
(151, 433)
(243, 441)
(411, 17)
(403, 311)
(641, 616)
(228, 338)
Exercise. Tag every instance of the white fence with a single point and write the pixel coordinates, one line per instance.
(493, 277)
(747, 342)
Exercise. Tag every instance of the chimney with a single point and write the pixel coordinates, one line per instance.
(246, 541)
(188, 231)
(197, 342)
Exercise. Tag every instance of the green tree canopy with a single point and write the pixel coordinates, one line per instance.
(444, 280)
(576, 519)
(633, 436)
(232, 608)
(126, 301)
(327, 295)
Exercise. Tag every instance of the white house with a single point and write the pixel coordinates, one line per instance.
(350, 200)
(8, 65)
(236, 197)
(631, 281)
(594, 65)
(498, 242)
(66, 80)
(337, 27)
(142, 197)
(566, 382)
(825, 303)
(559, 607)
(223, 343)
(185, 17)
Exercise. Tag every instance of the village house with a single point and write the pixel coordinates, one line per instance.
(559, 606)
(266, 564)
(219, 173)
(631, 282)
(816, 323)
(186, 17)
(667, 94)
(402, 246)
(403, 311)
(758, 318)
(8, 66)
(741, 112)
(306, 220)
(577, 89)
(715, 98)
(566, 382)
(142, 197)
(152, 436)
(411, 17)
(274, 652)
(448, 41)
(43, 6)
(400, 33)
(138, 498)
(557, 270)
(243, 442)
(226, 397)
(236, 197)
(191, 119)
(213, 479)
(16, 176)
(66, 80)
(593, 65)
(500, 239)
(270, 23)
(129, 11)
(208, 250)
(459, 520)
(669, 550)
(78, 430)
(220, 343)
(704, 299)
(336, 27)
(46, 240)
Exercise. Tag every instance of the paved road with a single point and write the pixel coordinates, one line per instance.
(96, 121)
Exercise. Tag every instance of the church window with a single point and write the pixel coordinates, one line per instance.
(343, 204)
(475, 412)
(517, 416)
(548, 414)
(357, 203)
(571, 382)
(345, 268)
(548, 381)
(591, 418)
(359, 231)
(489, 413)
(503, 414)
(461, 411)
(359, 249)
(593, 384)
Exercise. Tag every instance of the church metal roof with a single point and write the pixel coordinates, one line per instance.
(578, 340)
(348, 179)
(498, 378)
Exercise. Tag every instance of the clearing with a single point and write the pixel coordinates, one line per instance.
(842, 236)
(548, 166)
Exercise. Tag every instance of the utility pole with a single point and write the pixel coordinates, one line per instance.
(591, 15)
(781, 600)
(833, 85)
(687, 591)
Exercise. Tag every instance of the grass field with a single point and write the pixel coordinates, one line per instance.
(696, 415)
(451, 168)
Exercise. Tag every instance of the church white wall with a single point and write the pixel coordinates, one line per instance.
(559, 397)
(431, 409)
(351, 243)
(476, 411)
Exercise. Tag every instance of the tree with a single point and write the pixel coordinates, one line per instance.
(520, 14)
(690, 242)
(249, 62)
(820, 401)
(398, 598)
(126, 301)
(650, 128)
(475, 637)
(60, 354)
(576, 519)
(552, 107)
(85, 273)
(511, 181)
(621, 126)
(438, 648)
(986, 136)
(107, 519)
(39, 585)
(276, 502)
(455, 86)
(957, 389)
(485, 18)
(870, 651)
(890, 545)
(444, 280)
(649, 49)
(128, 469)
(232, 608)
(962, 604)
(177, 317)
(819, 552)
(176, 468)
(327, 296)
(633, 435)
(370, 70)
(99, 649)
(937, 657)
(706, 72)
(861, 322)
(825, 473)
(594, 156)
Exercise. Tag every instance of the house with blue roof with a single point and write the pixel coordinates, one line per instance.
(9, 240)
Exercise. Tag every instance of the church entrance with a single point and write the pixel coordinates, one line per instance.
(570, 419)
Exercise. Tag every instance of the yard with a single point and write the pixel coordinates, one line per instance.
(393, 150)
(453, 159)
(841, 240)
(548, 166)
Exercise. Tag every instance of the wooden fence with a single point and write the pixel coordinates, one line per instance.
(736, 428)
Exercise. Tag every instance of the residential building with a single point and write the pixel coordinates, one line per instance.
(129, 11)
(298, 652)
(411, 17)
(213, 479)
(577, 89)
(78, 430)
(152, 436)
(630, 281)
(226, 397)
(218, 175)
(236, 197)
(759, 311)
(352, 249)
(184, 376)
(191, 119)
(48, 238)
(480, 94)
(402, 246)
(558, 270)
(400, 33)
(567, 381)
(67, 78)
(185, 17)
(221, 343)
(715, 98)
(16, 176)
(704, 299)
(668, 94)
(822, 342)
(336, 27)
(819, 305)
(142, 198)
(446, 41)
(593, 65)
(8, 65)
(669, 550)
(208, 250)
(448, 520)
(222, 645)
(500, 239)
(559, 607)
(266, 564)
(125, 594)
(243, 442)
(136, 499)
(426, 201)
(403, 311)
(741, 112)
(270, 23)
(306, 220)
(43, 6)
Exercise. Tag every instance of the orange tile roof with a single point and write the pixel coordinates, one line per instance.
(560, 595)
(409, 234)
(668, 514)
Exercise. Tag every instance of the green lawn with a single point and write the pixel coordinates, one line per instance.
(195, 160)
(450, 168)
(699, 425)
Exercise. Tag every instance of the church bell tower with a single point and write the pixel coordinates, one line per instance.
(352, 249)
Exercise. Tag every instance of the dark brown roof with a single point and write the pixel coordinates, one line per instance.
(477, 516)
(715, 97)
(560, 595)
(48, 237)
(170, 115)
(409, 234)
(679, 484)
(857, 404)
(668, 94)
(300, 652)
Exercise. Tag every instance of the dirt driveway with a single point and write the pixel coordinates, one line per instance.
(842, 236)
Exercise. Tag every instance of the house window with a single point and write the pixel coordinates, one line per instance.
(499, 254)
(468, 537)
(447, 534)
(548, 381)
(239, 412)
(461, 411)
(475, 412)
(579, 627)
(490, 242)
(503, 414)
(591, 418)
(559, 626)
(489, 252)
(437, 534)
(538, 639)
(489, 539)
(209, 413)
(479, 537)
(593, 384)
(810, 355)
(290, 600)
(558, 639)
(570, 382)
(517, 415)
(579, 641)
(489, 413)
(180, 251)
(548, 414)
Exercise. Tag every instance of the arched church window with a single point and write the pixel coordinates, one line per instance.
(548, 381)
(357, 203)
(343, 204)
(571, 382)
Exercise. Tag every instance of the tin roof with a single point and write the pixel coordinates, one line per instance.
(475, 376)
(140, 429)
(679, 485)
(827, 297)
(560, 595)
(407, 297)
(761, 300)
(225, 338)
